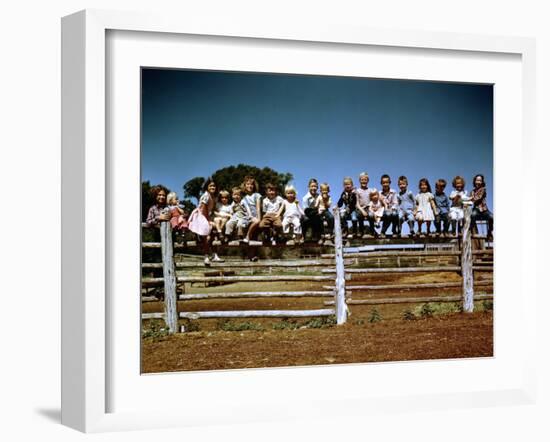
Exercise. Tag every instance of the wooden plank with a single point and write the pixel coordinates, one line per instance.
(431, 285)
(399, 270)
(158, 245)
(251, 278)
(169, 273)
(340, 292)
(248, 264)
(466, 260)
(306, 294)
(157, 315)
(482, 268)
(457, 298)
(391, 253)
(257, 314)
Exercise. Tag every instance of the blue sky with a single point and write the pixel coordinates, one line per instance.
(195, 122)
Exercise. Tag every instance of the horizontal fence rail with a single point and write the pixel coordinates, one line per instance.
(428, 285)
(257, 314)
(303, 294)
(418, 300)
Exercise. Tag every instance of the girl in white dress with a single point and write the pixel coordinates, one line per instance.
(425, 206)
(456, 213)
(293, 214)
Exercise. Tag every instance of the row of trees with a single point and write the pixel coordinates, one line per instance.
(226, 178)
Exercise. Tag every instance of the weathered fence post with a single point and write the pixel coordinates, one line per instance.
(340, 291)
(169, 273)
(467, 271)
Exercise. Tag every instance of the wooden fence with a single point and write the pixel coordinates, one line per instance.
(334, 268)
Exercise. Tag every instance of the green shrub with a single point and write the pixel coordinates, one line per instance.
(154, 329)
(426, 311)
(374, 316)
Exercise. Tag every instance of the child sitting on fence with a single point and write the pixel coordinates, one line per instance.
(362, 208)
(481, 211)
(240, 215)
(456, 213)
(376, 209)
(199, 220)
(407, 205)
(272, 208)
(178, 215)
(425, 206)
(222, 213)
(442, 204)
(347, 205)
(391, 210)
(311, 220)
(158, 212)
(253, 200)
(323, 204)
(293, 215)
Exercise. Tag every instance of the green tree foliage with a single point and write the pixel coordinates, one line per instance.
(147, 199)
(193, 188)
(188, 205)
(233, 176)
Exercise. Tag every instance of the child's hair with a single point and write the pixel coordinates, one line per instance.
(363, 174)
(403, 178)
(312, 180)
(373, 192)
(270, 186)
(207, 183)
(473, 181)
(441, 182)
(237, 190)
(171, 196)
(425, 181)
(385, 176)
(223, 194)
(325, 187)
(246, 180)
(348, 179)
(456, 179)
(155, 190)
(290, 188)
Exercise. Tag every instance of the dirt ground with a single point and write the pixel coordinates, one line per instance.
(455, 335)
(279, 342)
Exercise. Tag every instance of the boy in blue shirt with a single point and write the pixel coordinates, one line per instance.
(406, 204)
(442, 203)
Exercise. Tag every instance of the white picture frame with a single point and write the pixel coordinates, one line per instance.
(85, 310)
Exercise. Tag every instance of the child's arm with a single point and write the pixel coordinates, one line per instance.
(434, 207)
(341, 200)
(300, 210)
(281, 210)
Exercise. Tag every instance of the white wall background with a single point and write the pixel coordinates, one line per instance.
(30, 182)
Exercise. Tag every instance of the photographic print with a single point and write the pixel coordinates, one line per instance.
(297, 220)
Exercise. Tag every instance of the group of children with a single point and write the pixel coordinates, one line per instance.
(248, 213)
(391, 208)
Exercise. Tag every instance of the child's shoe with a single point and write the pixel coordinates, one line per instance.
(207, 261)
(216, 258)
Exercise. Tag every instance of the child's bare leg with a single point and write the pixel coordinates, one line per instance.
(419, 223)
(428, 225)
(252, 229)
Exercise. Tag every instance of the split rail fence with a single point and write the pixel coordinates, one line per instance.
(333, 272)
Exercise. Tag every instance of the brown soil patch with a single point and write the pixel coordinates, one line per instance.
(440, 337)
